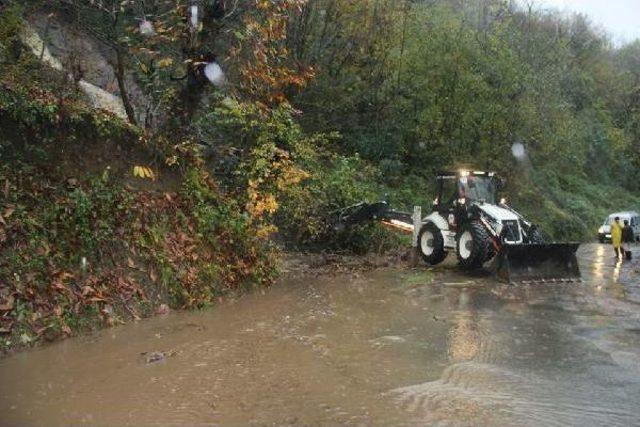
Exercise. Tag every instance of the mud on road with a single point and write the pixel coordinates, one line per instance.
(387, 347)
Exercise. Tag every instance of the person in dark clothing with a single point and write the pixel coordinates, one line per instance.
(627, 238)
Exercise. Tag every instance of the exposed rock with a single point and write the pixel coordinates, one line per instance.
(155, 356)
(92, 63)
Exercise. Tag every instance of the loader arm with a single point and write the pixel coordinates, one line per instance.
(368, 212)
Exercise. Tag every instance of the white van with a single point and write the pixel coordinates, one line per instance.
(604, 233)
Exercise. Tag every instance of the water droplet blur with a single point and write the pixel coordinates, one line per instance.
(214, 73)
(518, 150)
(194, 16)
(146, 28)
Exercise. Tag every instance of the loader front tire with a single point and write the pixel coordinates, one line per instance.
(473, 245)
(431, 244)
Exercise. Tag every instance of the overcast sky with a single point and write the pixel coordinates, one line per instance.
(620, 18)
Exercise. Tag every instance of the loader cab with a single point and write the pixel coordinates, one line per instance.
(456, 189)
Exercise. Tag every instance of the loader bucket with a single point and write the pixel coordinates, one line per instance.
(529, 263)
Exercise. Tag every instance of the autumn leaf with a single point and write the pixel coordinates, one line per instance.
(143, 172)
(172, 160)
(86, 290)
(165, 62)
(58, 286)
(64, 275)
(8, 304)
(8, 212)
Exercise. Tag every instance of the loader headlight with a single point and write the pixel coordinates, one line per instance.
(462, 201)
(464, 173)
(503, 201)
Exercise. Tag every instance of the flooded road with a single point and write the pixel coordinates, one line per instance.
(390, 347)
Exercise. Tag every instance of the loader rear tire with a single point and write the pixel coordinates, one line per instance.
(473, 245)
(431, 244)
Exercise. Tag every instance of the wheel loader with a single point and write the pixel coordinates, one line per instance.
(483, 231)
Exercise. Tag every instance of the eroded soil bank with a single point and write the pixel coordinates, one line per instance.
(390, 346)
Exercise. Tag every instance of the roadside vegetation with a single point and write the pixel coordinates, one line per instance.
(414, 87)
(255, 124)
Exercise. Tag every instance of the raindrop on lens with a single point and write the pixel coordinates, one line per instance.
(214, 73)
(146, 28)
(194, 16)
(518, 150)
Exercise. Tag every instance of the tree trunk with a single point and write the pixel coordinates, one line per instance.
(120, 76)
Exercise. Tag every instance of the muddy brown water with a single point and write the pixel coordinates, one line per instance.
(391, 347)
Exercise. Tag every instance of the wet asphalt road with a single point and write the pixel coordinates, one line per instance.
(389, 347)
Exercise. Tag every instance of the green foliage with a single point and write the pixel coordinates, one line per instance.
(207, 249)
(573, 206)
(334, 182)
(278, 168)
(414, 87)
(55, 240)
(10, 26)
(72, 254)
